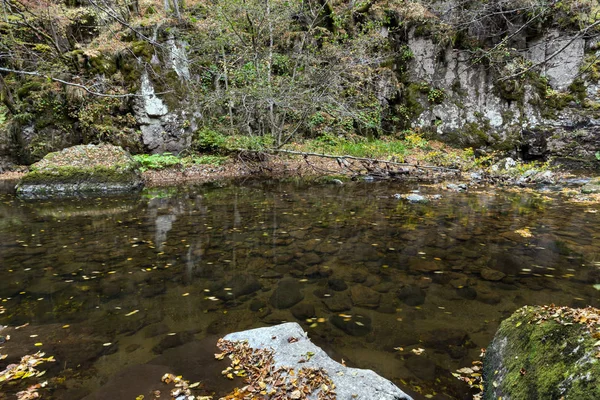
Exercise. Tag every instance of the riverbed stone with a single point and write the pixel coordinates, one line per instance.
(337, 284)
(303, 311)
(80, 171)
(411, 295)
(351, 383)
(170, 341)
(491, 274)
(257, 305)
(318, 272)
(419, 264)
(339, 302)
(421, 367)
(286, 294)
(239, 285)
(353, 325)
(544, 353)
(363, 296)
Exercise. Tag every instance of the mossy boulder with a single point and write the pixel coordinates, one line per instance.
(82, 170)
(545, 352)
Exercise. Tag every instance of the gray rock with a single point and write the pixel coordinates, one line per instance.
(415, 198)
(286, 294)
(457, 188)
(504, 164)
(153, 105)
(562, 68)
(351, 383)
(164, 130)
(476, 176)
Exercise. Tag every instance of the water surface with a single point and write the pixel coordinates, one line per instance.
(130, 286)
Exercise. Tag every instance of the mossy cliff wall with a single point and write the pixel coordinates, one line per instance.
(527, 82)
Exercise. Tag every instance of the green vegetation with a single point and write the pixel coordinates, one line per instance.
(168, 160)
(262, 74)
(358, 147)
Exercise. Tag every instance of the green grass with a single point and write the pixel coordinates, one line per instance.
(360, 147)
(168, 160)
(3, 113)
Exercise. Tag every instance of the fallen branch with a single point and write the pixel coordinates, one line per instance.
(347, 157)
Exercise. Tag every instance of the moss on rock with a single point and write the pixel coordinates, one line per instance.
(545, 353)
(79, 170)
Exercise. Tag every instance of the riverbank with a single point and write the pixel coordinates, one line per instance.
(410, 159)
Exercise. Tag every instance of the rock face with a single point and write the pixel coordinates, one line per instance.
(351, 383)
(163, 130)
(544, 353)
(81, 170)
(478, 110)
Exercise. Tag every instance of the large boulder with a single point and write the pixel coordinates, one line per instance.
(545, 353)
(81, 170)
(292, 349)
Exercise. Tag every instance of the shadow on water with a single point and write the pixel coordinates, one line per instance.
(122, 290)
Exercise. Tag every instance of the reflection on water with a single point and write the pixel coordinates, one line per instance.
(109, 285)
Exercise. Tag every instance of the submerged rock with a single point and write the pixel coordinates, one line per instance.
(81, 170)
(545, 353)
(412, 295)
(353, 325)
(490, 274)
(363, 296)
(300, 353)
(286, 294)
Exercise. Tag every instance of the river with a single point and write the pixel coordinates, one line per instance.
(412, 291)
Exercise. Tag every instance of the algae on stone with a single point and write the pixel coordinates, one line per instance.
(79, 170)
(545, 353)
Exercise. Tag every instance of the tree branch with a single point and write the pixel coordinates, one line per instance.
(77, 85)
(346, 157)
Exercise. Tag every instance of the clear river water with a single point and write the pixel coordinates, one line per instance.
(122, 289)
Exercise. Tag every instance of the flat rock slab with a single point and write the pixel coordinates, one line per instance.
(351, 383)
(79, 171)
